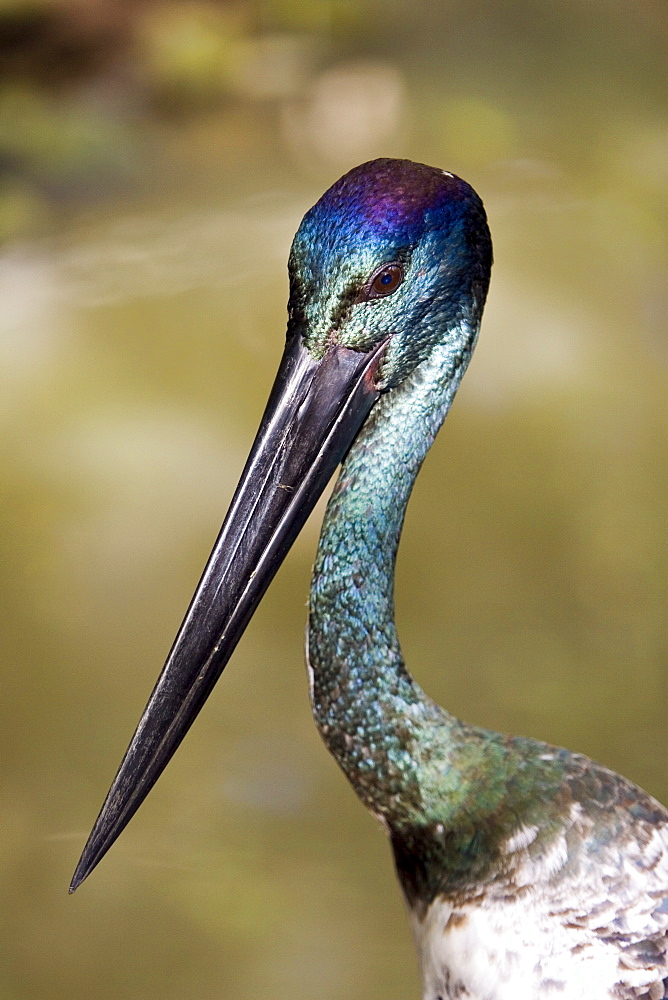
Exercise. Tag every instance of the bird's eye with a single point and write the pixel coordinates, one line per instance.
(384, 281)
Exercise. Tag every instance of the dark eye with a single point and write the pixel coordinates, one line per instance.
(385, 281)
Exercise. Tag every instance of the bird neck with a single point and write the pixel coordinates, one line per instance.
(369, 710)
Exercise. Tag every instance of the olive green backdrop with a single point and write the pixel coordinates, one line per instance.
(155, 160)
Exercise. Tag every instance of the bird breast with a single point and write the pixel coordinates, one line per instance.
(519, 950)
(552, 930)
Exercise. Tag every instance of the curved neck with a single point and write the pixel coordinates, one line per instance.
(369, 710)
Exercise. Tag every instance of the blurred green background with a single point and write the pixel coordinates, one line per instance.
(155, 160)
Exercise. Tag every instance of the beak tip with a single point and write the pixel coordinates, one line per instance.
(77, 879)
(87, 862)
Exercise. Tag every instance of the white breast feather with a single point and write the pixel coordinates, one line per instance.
(554, 938)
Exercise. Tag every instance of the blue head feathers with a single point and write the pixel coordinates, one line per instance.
(426, 221)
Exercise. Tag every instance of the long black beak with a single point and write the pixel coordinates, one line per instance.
(314, 412)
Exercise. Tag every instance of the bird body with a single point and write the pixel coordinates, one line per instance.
(528, 871)
(570, 903)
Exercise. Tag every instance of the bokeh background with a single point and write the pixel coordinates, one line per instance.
(155, 159)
